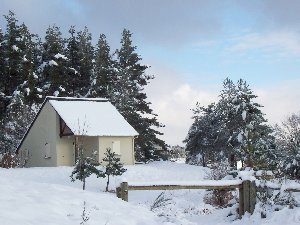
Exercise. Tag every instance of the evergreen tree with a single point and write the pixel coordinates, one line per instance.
(31, 50)
(288, 143)
(16, 112)
(103, 70)
(12, 73)
(205, 139)
(53, 64)
(234, 126)
(72, 53)
(127, 94)
(18, 118)
(80, 56)
(85, 167)
(2, 75)
(86, 55)
(113, 166)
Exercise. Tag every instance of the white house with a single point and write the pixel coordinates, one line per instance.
(63, 123)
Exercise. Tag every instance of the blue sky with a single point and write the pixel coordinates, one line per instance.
(191, 46)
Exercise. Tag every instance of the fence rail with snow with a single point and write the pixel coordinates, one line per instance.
(246, 188)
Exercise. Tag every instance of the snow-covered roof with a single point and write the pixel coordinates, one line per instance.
(92, 117)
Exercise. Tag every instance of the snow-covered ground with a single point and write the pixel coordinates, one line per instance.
(44, 196)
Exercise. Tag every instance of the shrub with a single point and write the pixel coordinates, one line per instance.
(9, 160)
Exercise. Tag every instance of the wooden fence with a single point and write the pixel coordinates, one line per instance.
(247, 191)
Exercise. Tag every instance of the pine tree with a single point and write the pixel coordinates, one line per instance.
(80, 56)
(86, 55)
(244, 121)
(85, 167)
(113, 166)
(31, 50)
(53, 64)
(12, 54)
(103, 70)
(72, 53)
(205, 140)
(17, 49)
(2, 75)
(234, 126)
(127, 94)
(288, 143)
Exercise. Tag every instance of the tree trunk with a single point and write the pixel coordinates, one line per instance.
(83, 187)
(203, 160)
(107, 183)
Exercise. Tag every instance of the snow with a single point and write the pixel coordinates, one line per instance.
(34, 196)
(244, 113)
(25, 59)
(56, 93)
(27, 91)
(62, 89)
(92, 117)
(58, 55)
(240, 137)
(75, 71)
(52, 62)
(15, 48)
(39, 90)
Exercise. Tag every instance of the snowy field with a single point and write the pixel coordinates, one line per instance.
(44, 196)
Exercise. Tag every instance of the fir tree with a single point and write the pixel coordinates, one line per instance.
(235, 126)
(12, 53)
(72, 53)
(53, 64)
(85, 70)
(103, 77)
(2, 75)
(129, 98)
(113, 166)
(85, 167)
(205, 140)
(288, 143)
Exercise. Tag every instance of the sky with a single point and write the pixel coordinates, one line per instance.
(191, 46)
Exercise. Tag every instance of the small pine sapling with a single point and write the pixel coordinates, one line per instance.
(113, 167)
(85, 166)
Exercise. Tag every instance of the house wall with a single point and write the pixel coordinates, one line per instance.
(90, 145)
(126, 147)
(43, 131)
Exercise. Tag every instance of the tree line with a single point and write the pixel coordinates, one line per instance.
(235, 129)
(32, 68)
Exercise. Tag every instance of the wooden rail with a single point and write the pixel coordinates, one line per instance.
(247, 191)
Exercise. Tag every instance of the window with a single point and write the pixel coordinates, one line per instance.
(116, 147)
(47, 151)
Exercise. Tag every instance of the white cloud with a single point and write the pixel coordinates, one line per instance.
(172, 99)
(282, 41)
(280, 100)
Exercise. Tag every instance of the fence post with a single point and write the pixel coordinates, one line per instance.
(252, 196)
(247, 197)
(118, 192)
(124, 191)
(241, 201)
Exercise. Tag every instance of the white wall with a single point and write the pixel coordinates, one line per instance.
(43, 131)
(126, 148)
